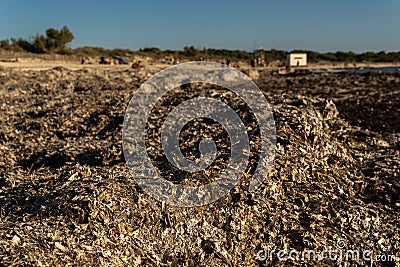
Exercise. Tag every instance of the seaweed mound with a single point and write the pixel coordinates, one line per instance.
(67, 197)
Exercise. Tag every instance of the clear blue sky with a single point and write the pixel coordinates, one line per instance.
(321, 25)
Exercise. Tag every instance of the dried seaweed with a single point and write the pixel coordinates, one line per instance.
(67, 198)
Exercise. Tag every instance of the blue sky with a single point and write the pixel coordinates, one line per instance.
(322, 25)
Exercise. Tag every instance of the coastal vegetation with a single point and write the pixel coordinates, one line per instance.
(56, 42)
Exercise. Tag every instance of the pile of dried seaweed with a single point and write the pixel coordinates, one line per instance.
(67, 198)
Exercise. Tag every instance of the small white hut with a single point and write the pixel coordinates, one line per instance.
(296, 60)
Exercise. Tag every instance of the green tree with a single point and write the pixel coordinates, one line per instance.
(39, 44)
(21, 45)
(65, 36)
(5, 44)
(56, 41)
(190, 51)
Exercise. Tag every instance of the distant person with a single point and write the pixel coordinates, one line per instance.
(228, 62)
(137, 65)
(253, 63)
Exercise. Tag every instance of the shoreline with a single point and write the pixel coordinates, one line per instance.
(35, 64)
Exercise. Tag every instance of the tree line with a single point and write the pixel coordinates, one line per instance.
(56, 41)
(53, 41)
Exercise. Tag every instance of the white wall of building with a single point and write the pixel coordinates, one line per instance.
(296, 59)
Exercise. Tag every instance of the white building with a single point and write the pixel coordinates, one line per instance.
(296, 60)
